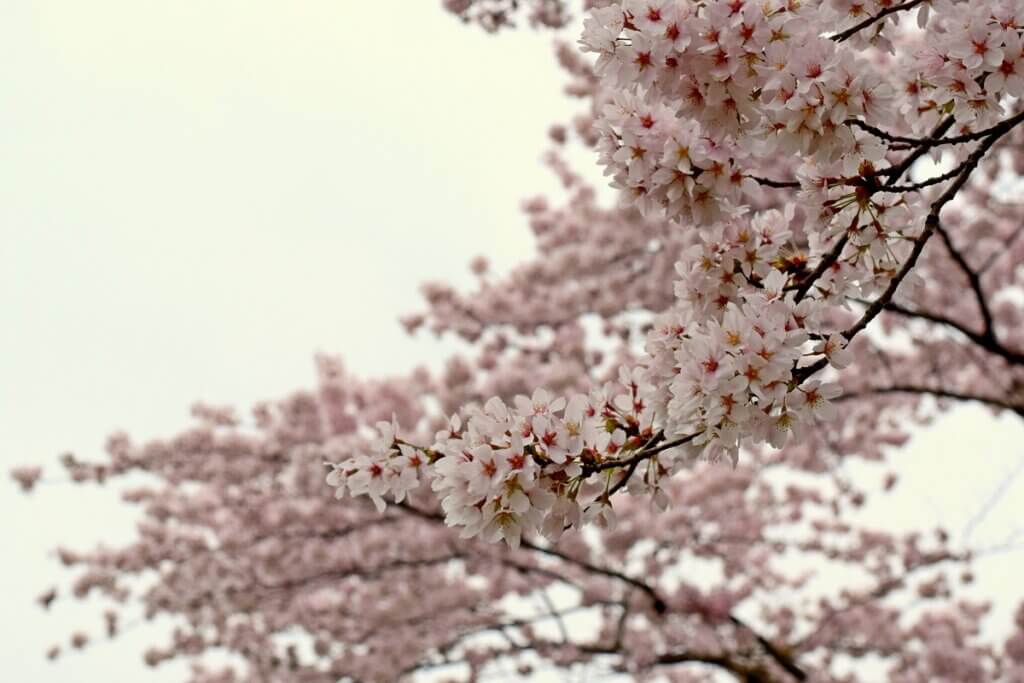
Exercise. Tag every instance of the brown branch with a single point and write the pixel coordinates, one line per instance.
(650, 449)
(878, 304)
(991, 345)
(1001, 252)
(931, 224)
(880, 591)
(896, 172)
(975, 281)
(702, 657)
(656, 601)
(825, 263)
(554, 614)
(932, 391)
(781, 658)
(936, 141)
(625, 478)
(743, 673)
(856, 28)
(778, 184)
(642, 454)
(915, 187)
(660, 607)
(533, 569)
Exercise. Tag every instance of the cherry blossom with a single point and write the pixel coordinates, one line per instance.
(672, 383)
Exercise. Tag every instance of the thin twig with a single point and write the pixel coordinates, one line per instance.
(937, 392)
(780, 657)
(896, 172)
(915, 187)
(856, 28)
(642, 454)
(975, 281)
(933, 141)
(823, 265)
(931, 224)
(779, 184)
(980, 340)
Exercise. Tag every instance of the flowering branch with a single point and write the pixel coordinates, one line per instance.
(732, 361)
(719, 300)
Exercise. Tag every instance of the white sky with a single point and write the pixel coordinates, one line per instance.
(197, 196)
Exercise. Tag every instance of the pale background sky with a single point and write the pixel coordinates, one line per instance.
(197, 196)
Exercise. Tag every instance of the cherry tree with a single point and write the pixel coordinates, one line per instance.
(636, 466)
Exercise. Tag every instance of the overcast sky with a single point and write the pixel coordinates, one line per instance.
(197, 196)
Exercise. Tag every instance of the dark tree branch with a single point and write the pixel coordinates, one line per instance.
(937, 392)
(659, 605)
(856, 28)
(627, 475)
(656, 601)
(893, 174)
(554, 614)
(975, 281)
(823, 265)
(876, 306)
(1001, 252)
(936, 141)
(931, 224)
(779, 184)
(914, 187)
(643, 454)
(989, 344)
(881, 590)
(741, 672)
(896, 172)
(781, 658)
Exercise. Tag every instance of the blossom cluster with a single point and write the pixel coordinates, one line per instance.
(543, 464)
(246, 548)
(704, 92)
(725, 358)
(705, 103)
(972, 61)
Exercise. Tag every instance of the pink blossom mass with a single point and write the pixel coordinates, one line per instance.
(815, 249)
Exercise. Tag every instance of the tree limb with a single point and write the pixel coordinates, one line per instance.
(856, 28)
(975, 281)
(932, 391)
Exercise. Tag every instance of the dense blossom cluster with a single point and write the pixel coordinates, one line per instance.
(701, 99)
(521, 467)
(766, 152)
(703, 93)
(725, 359)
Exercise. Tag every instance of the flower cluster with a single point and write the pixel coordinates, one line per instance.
(246, 549)
(387, 467)
(705, 104)
(543, 464)
(973, 59)
(725, 358)
(705, 92)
